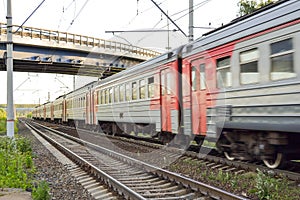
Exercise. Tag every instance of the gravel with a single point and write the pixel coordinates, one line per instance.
(62, 185)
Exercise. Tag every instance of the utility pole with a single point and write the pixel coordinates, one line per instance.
(191, 20)
(9, 68)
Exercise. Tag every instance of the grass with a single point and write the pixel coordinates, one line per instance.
(41, 192)
(3, 126)
(17, 168)
(255, 185)
(209, 144)
(15, 163)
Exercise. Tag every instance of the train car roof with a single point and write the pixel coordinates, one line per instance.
(268, 17)
(262, 9)
(163, 58)
(82, 87)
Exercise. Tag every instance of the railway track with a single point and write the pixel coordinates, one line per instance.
(128, 177)
(164, 156)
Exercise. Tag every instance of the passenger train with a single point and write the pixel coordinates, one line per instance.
(238, 85)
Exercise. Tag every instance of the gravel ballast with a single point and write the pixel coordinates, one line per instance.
(62, 184)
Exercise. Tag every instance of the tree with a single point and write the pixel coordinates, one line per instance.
(2, 114)
(249, 6)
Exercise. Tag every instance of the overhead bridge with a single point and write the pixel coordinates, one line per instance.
(46, 51)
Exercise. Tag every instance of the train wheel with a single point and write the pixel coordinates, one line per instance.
(228, 155)
(275, 162)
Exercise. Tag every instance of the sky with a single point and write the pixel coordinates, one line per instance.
(95, 17)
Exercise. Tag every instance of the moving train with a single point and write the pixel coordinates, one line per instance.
(238, 85)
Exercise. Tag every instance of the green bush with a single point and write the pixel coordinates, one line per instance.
(15, 163)
(2, 126)
(2, 113)
(29, 115)
(269, 188)
(41, 192)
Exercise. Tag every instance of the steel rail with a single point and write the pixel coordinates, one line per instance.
(87, 166)
(205, 189)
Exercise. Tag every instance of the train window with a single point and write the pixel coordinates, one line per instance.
(223, 72)
(151, 87)
(282, 62)
(110, 95)
(134, 90)
(169, 83)
(194, 79)
(249, 66)
(142, 89)
(202, 77)
(127, 90)
(99, 97)
(116, 94)
(163, 84)
(122, 93)
(107, 96)
(103, 97)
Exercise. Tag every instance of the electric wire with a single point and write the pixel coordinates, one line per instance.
(195, 7)
(81, 9)
(30, 15)
(65, 9)
(139, 13)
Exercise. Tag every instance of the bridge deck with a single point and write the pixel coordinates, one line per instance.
(40, 50)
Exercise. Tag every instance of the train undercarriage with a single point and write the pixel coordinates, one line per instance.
(273, 148)
(137, 129)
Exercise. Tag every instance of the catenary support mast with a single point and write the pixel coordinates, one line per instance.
(9, 68)
(191, 20)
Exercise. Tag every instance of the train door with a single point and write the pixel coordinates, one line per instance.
(52, 111)
(198, 97)
(89, 108)
(45, 111)
(166, 125)
(95, 103)
(92, 103)
(64, 110)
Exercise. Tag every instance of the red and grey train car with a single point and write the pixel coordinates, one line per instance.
(237, 85)
(251, 98)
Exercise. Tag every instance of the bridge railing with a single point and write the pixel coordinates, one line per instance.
(76, 39)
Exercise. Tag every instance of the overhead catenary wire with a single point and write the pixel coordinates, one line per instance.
(139, 13)
(81, 9)
(199, 5)
(30, 15)
(195, 7)
(65, 9)
(168, 17)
